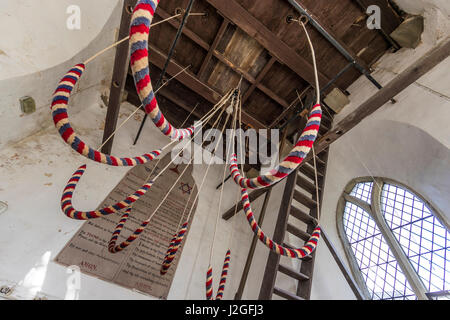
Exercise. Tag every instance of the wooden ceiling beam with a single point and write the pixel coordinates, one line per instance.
(188, 32)
(292, 105)
(189, 80)
(217, 39)
(213, 52)
(272, 95)
(276, 47)
(390, 20)
(328, 30)
(260, 77)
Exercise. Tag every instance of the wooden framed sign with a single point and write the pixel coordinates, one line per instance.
(138, 266)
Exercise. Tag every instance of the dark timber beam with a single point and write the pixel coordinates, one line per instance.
(327, 29)
(189, 80)
(260, 77)
(251, 79)
(396, 86)
(252, 196)
(217, 39)
(119, 77)
(212, 52)
(390, 20)
(291, 106)
(276, 47)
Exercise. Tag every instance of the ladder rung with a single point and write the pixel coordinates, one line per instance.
(305, 200)
(292, 273)
(286, 294)
(298, 233)
(323, 129)
(308, 170)
(320, 163)
(302, 216)
(306, 185)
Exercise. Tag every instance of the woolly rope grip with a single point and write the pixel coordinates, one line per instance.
(223, 277)
(306, 250)
(175, 244)
(209, 282)
(61, 119)
(112, 243)
(115, 235)
(167, 254)
(139, 33)
(290, 163)
(71, 212)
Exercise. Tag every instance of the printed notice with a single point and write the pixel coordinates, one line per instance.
(138, 266)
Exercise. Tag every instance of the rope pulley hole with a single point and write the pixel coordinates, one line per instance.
(179, 11)
(303, 19)
(289, 19)
(129, 9)
(116, 84)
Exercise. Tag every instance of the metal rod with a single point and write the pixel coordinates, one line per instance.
(336, 44)
(166, 65)
(344, 70)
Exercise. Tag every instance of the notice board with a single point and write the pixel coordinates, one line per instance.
(138, 266)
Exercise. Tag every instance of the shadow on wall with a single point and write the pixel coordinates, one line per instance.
(40, 85)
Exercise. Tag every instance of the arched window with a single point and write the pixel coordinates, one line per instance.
(398, 245)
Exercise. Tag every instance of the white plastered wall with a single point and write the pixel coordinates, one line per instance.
(37, 49)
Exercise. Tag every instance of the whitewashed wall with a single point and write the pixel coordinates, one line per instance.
(37, 49)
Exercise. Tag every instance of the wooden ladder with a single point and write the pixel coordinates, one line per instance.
(301, 188)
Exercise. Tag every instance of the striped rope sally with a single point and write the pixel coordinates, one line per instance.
(175, 244)
(71, 212)
(223, 279)
(112, 247)
(139, 32)
(209, 283)
(290, 163)
(61, 119)
(300, 253)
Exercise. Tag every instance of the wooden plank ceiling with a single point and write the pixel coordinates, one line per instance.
(253, 39)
